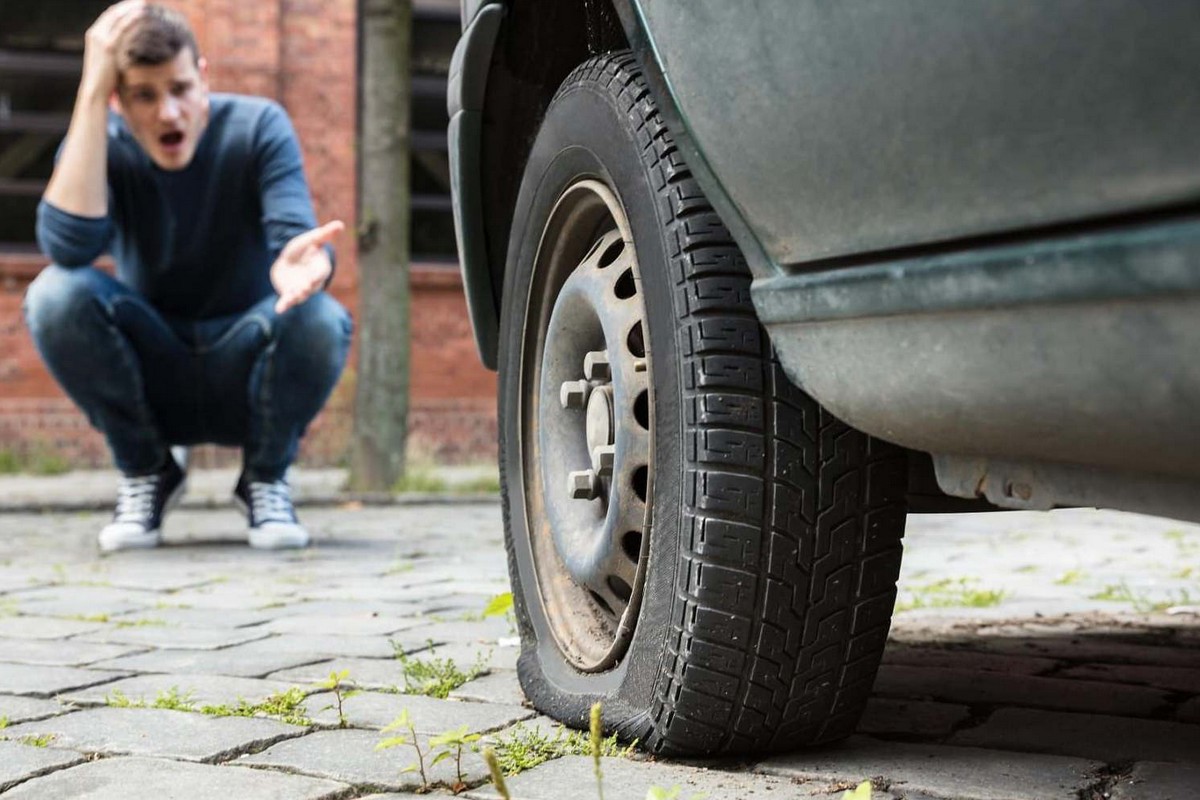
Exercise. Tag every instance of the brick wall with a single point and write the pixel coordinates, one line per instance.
(302, 53)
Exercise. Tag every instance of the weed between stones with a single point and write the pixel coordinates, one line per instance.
(436, 677)
(286, 706)
(950, 593)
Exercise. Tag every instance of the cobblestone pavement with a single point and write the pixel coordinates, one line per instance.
(1035, 657)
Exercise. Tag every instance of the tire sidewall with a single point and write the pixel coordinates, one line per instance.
(585, 134)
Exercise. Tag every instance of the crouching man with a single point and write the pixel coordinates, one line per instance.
(216, 328)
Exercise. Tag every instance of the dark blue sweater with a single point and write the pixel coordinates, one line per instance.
(197, 243)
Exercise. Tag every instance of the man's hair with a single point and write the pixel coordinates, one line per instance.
(157, 37)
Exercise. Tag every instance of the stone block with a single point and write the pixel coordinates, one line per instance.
(429, 714)
(49, 681)
(21, 762)
(964, 773)
(157, 732)
(350, 756)
(1153, 781)
(113, 779)
(968, 686)
(1106, 738)
(573, 776)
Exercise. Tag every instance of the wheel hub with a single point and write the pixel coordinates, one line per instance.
(592, 457)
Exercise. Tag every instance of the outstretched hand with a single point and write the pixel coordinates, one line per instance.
(303, 266)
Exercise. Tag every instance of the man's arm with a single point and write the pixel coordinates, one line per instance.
(72, 225)
(79, 183)
(303, 259)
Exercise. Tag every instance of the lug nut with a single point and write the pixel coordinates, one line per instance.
(581, 485)
(574, 394)
(596, 367)
(603, 458)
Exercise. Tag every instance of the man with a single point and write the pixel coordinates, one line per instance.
(216, 328)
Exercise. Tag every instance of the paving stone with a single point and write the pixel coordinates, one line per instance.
(203, 689)
(84, 601)
(113, 778)
(350, 756)
(362, 624)
(175, 637)
(630, 780)
(493, 657)
(964, 773)
(1177, 679)
(453, 604)
(497, 687)
(157, 732)
(1153, 781)
(1189, 711)
(968, 686)
(59, 653)
(1093, 651)
(1106, 738)
(19, 709)
(365, 673)
(251, 660)
(885, 716)
(32, 627)
(49, 681)
(226, 598)
(966, 659)
(409, 611)
(467, 632)
(20, 762)
(429, 714)
(176, 616)
(339, 646)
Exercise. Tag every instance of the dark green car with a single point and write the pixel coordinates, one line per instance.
(760, 278)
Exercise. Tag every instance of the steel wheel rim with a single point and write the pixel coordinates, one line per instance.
(586, 433)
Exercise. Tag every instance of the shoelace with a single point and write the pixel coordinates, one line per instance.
(271, 502)
(135, 498)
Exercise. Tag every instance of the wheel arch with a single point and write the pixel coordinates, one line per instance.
(506, 70)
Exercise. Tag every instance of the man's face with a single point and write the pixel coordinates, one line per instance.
(166, 108)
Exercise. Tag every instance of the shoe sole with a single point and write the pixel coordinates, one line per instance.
(263, 541)
(274, 541)
(149, 539)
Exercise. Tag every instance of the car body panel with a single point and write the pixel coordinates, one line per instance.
(841, 129)
(974, 227)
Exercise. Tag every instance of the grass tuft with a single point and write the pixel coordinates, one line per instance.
(950, 593)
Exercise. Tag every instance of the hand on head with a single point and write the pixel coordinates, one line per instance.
(100, 52)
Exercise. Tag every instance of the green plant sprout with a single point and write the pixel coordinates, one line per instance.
(404, 723)
(450, 744)
(493, 765)
(336, 684)
(597, 741)
(860, 792)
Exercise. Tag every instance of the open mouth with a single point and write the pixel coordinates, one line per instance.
(172, 139)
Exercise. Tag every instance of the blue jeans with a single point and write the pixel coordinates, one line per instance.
(147, 381)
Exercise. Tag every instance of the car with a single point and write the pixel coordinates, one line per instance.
(761, 279)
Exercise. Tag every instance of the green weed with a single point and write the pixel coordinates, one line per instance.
(1142, 603)
(1069, 578)
(34, 740)
(493, 765)
(524, 748)
(36, 460)
(951, 593)
(435, 677)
